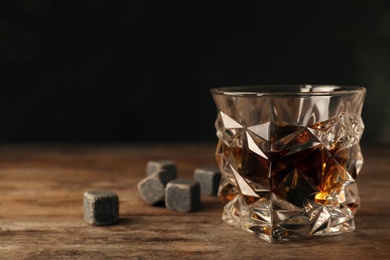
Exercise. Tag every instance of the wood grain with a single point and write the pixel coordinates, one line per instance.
(41, 211)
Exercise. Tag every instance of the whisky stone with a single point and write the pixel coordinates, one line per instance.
(152, 188)
(209, 179)
(154, 166)
(182, 195)
(101, 207)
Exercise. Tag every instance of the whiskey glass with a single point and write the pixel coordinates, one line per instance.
(289, 157)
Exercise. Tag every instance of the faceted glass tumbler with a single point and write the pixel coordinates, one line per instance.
(289, 157)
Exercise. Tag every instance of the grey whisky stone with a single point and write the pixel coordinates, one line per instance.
(182, 195)
(101, 207)
(158, 165)
(152, 188)
(209, 179)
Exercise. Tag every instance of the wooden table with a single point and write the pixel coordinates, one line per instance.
(41, 209)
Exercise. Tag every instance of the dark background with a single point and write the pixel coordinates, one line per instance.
(136, 71)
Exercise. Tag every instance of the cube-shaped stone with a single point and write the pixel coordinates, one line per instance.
(152, 188)
(182, 195)
(158, 165)
(209, 179)
(101, 207)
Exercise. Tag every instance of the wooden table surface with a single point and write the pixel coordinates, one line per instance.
(41, 209)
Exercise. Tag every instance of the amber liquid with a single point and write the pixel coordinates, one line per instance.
(309, 172)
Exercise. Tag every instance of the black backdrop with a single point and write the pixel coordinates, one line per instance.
(136, 71)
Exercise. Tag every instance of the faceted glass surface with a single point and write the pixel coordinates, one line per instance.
(289, 157)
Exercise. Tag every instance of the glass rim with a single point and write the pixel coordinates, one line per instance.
(288, 90)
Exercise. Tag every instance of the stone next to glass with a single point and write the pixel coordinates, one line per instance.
(289, 157)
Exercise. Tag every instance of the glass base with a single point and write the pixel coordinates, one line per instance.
(274, 225)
